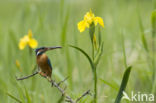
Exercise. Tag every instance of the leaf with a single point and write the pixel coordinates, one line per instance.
(92, 31)
(60, 99)
(13, 39)
(143, 39)
(27, 96)
(20, 92)
(123, 84)
(98, 56)
(13, 97)
(99, 36)
(123, 49)
(153, 21)
(109, 84)
(64, 28)
(69, 66)
(61, 9)
(87, 56)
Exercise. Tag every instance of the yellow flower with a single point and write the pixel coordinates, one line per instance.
(18, 65)
(82, 25)
(27, 40)
(89, 18)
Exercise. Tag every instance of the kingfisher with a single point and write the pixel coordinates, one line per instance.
(43, 62)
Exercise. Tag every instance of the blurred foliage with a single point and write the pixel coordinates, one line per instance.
(55, 23)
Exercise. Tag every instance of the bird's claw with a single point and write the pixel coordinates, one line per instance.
(42, 74)
(52, 83)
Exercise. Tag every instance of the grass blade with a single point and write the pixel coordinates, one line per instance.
(109, 84)
(13, 38)
(123, 49)
(13, 97)
(61, 9)
(87, 56)
(69, 66)
(27, 96)
(153, 21)
(92, 31)
(143, 39)
(123, 84)
(64, 29)
(99, 55)
(99, 36)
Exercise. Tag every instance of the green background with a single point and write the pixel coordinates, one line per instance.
(54, 23)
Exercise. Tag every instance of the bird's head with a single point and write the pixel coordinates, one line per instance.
(41, 50)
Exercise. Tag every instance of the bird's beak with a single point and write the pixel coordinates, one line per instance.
(52, 48)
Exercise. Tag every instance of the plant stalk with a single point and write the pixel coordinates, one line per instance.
(95, 85)
(95, 76)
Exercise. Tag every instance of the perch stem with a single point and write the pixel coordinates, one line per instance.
(26, 77)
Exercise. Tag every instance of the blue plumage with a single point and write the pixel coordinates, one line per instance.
(49, 63)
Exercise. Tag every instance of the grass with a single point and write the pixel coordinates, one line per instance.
(54, 23)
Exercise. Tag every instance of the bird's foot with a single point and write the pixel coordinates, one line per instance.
(52, 83)
(42, 74)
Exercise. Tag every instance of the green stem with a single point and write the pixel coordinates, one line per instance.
(69, 70)
(153, 59)
(95, 76)
(123, 49)
(91, 33)
(95, 86)
(153, 21)
(30, 51)
(153, 63)
(93, 51)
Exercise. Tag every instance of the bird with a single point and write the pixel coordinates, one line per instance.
(43, 62)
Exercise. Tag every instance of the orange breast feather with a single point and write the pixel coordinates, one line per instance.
(42, 61)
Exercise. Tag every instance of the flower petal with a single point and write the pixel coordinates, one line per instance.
(17, 64)
(82, 25)
(22, 44)
(33, 43)
(30, 33)
(89, 17)
(25, 38)
(98, 20)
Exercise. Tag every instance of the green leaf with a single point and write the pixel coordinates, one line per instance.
(61, 9)
(20, 92)
(98, 56)
(123, 49)
(123, 84)
(27, 96)
(99, 36)
(153, 21)
(87, 56)
(61, 99)
(92, 31)
(143, 39)
(13, 97)
(109, 84)
(64, 29)
(13, 38)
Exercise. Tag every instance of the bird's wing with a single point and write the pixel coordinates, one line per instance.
(49, 63)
